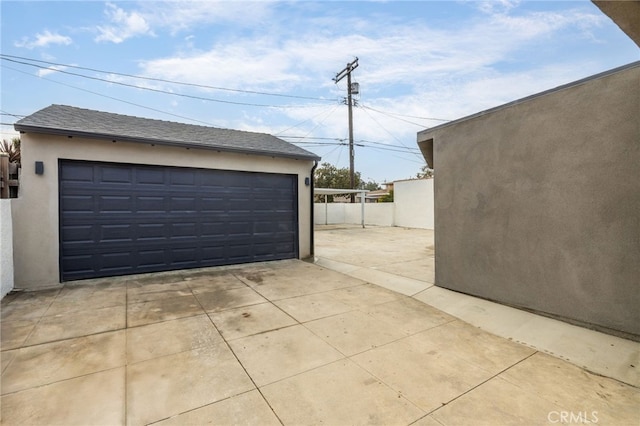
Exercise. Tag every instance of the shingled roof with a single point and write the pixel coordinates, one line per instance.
(72, 121)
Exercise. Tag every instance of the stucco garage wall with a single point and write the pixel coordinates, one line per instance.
(6, 248)
(536, 202)
(36, 233)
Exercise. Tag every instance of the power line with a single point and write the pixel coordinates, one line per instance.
(421, 125)
(322, 145)
(113, 98)
(397, 156)
(319, 143)
(12, 115)
(386, 149)
(312, 137)
(332, 150)
(361, 143)
(302, 122)
(340, 151)
(402, 148)
(166, 92)
(388, 132)
(309, 139)
(403, 115)
(322, 121)
(162, 80)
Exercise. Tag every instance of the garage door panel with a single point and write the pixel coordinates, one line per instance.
(273, 217)
(238, 251)
(265, 205)
(79, 234)
(266, 249)
(78, 203)
(150, 176)
(150, 231)
(117, 175)
(115, 204)
(150, 204)
(283, 248)
(212, 229)
(215, 252)
(78, 173)
(182, 177)
(151, 259)
(283, 205)
(184, 255)
(182, 204)
(264, 228)
(183, 230)
(119, 219)
(211, 204)
(239, 228)
(79, 265)
(239, 181)
(120, 261)
(209, 180)
(116, 233)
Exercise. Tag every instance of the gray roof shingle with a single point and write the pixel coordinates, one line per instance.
(73, 121)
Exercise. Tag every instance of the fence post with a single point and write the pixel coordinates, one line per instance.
(4, 175)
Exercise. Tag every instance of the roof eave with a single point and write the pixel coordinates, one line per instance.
(103, 136)
(425, 134)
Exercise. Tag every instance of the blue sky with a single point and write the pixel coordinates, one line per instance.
(420, 62)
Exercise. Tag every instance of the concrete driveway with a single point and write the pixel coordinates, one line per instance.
(285, 342)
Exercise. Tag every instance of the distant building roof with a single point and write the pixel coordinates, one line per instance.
(72, 121)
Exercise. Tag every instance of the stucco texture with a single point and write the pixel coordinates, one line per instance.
(36, 234)
(536, 203)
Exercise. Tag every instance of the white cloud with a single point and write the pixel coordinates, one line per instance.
(497, 6)
(410, 68)
(122, 25)
(50, 70)
(43, 39)
(407, 54)
(176, 16)
(252, 64)
(183, 15)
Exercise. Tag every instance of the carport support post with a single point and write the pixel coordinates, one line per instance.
(362, 207)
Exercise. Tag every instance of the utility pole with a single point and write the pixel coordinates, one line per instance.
(351, 89)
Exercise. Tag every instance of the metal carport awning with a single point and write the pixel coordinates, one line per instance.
(332, 191)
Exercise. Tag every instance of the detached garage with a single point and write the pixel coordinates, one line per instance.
(105, 194)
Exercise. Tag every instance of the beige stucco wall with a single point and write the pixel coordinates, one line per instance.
(35, 212)
(537, 202)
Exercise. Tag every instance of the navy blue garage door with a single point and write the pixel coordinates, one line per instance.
(120, 219)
